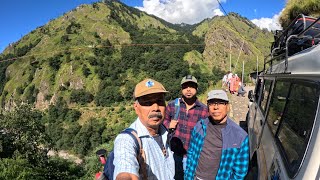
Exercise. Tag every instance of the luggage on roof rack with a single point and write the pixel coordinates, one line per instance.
(302, 33)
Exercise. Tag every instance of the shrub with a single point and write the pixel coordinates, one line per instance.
(55, 62)
(19, 90)
(85, 70)
(81, 96)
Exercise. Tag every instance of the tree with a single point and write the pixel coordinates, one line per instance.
(31, 94)
(108, 95)
(26, 132)
(82, 140)
(105, 49)
(73, 28)
(81, 96)
(89, 136)
(16, 169)
(68, 134)
(3, 68)
(58, 111)
(64, 39)
(73, 115)
(217, 74)
(85, 70)
(55, 62)
(23, 149)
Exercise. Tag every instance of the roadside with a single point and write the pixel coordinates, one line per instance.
(65, 155)
(239, 105)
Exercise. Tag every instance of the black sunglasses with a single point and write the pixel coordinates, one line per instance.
(218, 103)
(150, 102)
(189, 84)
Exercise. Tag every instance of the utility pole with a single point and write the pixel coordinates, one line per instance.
(242, 72)
(230, 56)
(239, 54)
(257, 68)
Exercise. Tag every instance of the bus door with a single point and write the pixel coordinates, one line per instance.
(262, 110)
(251, 116)
(275, 112)
(259, 123)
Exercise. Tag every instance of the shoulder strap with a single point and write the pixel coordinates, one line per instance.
(176, 108)
(176, 115)
(141, 157)
(133, 133)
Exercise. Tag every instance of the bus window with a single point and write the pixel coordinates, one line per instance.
(257, 89)
(296, 125)
(265, 93)
(277, 104)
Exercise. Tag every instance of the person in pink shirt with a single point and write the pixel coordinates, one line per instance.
(232, 84)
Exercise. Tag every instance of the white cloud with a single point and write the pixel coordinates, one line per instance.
(269, 23)
(182, 11)
(217, 12)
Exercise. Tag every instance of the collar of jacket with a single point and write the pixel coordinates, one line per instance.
(204, 123)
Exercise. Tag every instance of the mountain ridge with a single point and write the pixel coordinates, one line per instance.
(60, 52)
(77, 74)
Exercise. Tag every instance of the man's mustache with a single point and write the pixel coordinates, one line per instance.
(155, 115)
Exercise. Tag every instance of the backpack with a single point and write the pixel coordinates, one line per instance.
(175, 143)
(176, 115)
(176, 108)
(109, 166)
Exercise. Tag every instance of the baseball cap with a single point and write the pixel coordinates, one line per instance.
(189, 78)
(148, 86)
(217, 94)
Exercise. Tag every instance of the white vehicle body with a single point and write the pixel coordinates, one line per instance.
(284, 119)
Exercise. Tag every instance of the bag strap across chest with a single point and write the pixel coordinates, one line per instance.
(141, 156)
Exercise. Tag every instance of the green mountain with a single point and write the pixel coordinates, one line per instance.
(99, 46)
(80, 70)
(233, 40)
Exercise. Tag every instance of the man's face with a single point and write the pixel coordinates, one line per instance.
(150, 109)
(189, 89)
(218, 110)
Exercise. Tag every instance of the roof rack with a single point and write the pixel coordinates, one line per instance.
(302, 33)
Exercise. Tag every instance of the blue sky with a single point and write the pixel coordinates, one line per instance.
(19, 17)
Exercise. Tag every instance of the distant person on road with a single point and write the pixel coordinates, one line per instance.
(241, 90)
(191, 110)
(225, 81)
(219, 148)
(229, 76)
(236, 83)
(149, 106)
(232, 84)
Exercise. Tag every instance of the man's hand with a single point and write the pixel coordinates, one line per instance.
(126, 176)
(173, 124)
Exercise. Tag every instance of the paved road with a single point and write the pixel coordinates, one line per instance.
(239, 106)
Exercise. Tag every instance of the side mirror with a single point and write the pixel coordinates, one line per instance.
(250, 96)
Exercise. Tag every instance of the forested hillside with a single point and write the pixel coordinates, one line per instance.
(77, 74)
(296, 7)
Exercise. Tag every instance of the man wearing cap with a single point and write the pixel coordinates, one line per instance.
(149, 106)
(190, 111)
(219, 148)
